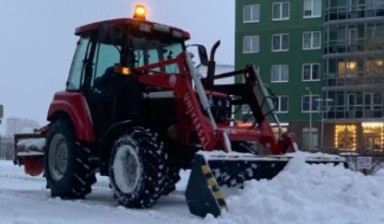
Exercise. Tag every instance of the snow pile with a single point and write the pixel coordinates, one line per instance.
(300, 194)
(304, 193)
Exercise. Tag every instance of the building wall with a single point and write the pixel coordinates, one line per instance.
(354, 73)
(20, 125)
(295, 57)
(344, 106)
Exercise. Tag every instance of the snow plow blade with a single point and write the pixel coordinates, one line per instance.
(28, 151)
(211, 172)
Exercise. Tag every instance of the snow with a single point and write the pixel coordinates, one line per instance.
(37, 143)
(308, 156)
(31, 147)
(301, 193)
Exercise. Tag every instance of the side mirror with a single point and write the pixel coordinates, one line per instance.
(203, 55)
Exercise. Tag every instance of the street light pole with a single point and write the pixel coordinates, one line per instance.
(324, 107)
(310, 118)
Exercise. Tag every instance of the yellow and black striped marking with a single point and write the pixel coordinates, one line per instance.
(203, 193)
(212, 184)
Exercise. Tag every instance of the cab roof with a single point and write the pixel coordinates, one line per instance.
(143, 25)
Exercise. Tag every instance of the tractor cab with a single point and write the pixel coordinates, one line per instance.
(107, 54)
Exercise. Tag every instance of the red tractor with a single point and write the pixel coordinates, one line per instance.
(135, 109)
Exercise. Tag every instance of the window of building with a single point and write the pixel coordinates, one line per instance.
(372, 135)
(311, 72)
(279, 73)
(251, 44)
(282, 104)
(280, 42)
(310, 101)
(351, 100)
(377, 99)
(251, 13)
(312, 8)
(245, 109)
(310, 141)
(347, 69)
(353, 5)
(280, 11)
(374, 66)
(311, 40)
(368, 101)
(352, 34)
(345, 137)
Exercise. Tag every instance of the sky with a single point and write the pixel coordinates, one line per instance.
(37, 42)
(300, 194)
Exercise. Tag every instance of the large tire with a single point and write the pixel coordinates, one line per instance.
(68, 172)
(172, 178)
(138, 168)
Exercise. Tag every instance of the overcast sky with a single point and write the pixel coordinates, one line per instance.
(37, 42)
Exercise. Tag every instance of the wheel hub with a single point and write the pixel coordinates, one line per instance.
(127, 169)
(58, 157)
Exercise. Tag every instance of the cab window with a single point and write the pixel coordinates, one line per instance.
(76, 72)
(107, 55)
(150, 52)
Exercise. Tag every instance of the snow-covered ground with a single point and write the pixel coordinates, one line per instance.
(301, 193)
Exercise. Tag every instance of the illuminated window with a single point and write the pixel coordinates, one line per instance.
(373, 133)
(345, 137)
(346, 68)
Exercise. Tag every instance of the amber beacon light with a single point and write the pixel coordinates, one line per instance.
(140, 12)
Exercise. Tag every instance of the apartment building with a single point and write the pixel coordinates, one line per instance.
(323, 59)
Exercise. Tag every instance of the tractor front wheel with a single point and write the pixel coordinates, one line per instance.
(138, 168)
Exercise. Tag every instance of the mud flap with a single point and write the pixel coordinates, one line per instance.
(211, 171)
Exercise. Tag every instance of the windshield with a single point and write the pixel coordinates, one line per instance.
(136, 49)
(149, 51)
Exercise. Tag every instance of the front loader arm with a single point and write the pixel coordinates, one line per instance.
(190, 101)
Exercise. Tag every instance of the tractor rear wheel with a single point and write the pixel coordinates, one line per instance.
(138, 168)
(67, 168)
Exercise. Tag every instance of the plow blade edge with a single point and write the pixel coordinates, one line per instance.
(211, 172)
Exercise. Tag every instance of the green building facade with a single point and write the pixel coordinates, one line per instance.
(307, 51)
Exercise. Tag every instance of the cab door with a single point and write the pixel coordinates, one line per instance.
(100, 90)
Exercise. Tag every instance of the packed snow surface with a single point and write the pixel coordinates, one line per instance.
(301, 193)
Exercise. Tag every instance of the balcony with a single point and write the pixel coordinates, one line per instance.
(343, 13)
(360, 46)
(357, 112)
(352, 81)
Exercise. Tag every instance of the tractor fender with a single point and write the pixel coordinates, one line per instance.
(75, 106)
(107, 142)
